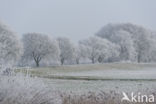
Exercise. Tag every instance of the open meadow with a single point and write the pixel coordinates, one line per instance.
(97, 77)
(78, 84)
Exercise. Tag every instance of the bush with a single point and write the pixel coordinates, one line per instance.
(26, 90)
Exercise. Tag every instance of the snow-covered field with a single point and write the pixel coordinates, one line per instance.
(50, 90)
(80, 86)
(131, 77)
(103, 71)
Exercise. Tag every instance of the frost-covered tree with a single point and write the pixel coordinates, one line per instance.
(10, 46)
(124, 40)
(127, 49)
(66, 49)
(98, 49)
(134, 40)
(77, 54)
(39, 47)
(152, 51)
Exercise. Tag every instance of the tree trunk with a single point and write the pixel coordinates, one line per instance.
(77, 61)
(139, 58)
(100, 59)
(93, 61)
(37, 59)
(62, 61)
(37, 64)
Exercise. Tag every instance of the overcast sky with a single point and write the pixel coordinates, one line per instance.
(76, 19)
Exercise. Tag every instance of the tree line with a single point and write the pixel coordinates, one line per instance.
(112, 43)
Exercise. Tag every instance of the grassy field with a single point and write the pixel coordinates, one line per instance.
(78, 84)
(114, 71)
(98, 77)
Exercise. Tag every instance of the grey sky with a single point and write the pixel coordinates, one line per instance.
(76, 19)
